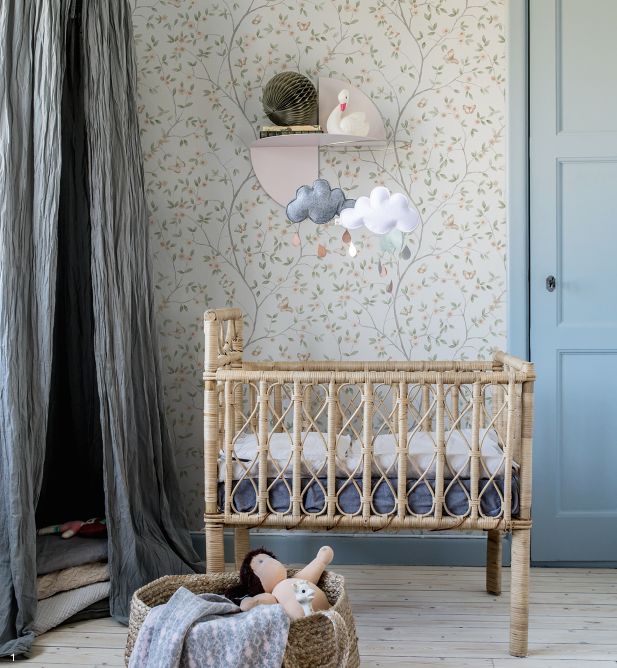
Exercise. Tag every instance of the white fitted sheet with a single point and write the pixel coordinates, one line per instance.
(422, 455)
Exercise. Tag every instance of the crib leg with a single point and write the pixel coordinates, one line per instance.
(242, 544)
(493, 562)
(215, 548)
(519, 592)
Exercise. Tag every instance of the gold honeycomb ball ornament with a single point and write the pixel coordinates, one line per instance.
(290, 98)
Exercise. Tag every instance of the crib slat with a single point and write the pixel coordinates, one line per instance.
(525, 446)
(427, 423)
(454, 400)
(297, 450)
(277, 407)
(253, 404)
(476, 417)
(211, 444)
(441, 450)
(263, 448)
(229, 440)
(403, 420)
(333, 410)
(367, 447)
(236, 343)
(507, 475)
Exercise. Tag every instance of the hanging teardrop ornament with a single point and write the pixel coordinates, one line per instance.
(389, 287)
(321, 251)
(346, 237)
(405, 253)
(353, 251)
(383, 272)
(295, 240)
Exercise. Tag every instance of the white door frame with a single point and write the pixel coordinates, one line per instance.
(517, 177)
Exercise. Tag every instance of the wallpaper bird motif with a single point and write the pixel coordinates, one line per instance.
(436, 71)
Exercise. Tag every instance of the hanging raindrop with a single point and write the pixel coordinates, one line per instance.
(353, 251)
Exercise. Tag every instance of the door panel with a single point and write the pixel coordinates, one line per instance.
(585, 72)
(587, 241)
(573, 236)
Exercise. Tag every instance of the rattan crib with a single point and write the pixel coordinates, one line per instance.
(343, 445)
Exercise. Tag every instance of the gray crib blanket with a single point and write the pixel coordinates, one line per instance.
(208, 631)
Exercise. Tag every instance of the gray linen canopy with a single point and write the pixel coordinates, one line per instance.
(148, 534)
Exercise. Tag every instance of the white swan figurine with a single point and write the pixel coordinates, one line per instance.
(352, 124)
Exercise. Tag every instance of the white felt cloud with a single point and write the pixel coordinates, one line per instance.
(381, 213)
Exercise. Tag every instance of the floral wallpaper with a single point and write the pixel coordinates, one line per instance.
(435, 69)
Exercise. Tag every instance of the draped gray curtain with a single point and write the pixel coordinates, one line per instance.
(148, 535)
(148, 530)
(31, 65)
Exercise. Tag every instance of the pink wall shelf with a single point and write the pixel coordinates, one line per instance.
(313, 139)
(282, 164)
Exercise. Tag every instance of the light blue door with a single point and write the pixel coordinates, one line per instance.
(573, 237)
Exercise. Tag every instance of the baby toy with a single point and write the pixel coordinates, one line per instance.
(304, 595)
(92, 527)
(264, 581)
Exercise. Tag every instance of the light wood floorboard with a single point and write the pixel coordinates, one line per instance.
(426, 616)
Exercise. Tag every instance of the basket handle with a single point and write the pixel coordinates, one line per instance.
(341, 636)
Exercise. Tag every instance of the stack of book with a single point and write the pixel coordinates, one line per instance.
(276, 130)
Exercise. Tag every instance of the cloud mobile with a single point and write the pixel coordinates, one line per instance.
(381, 213)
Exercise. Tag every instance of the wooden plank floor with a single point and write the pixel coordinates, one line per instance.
(427, 616)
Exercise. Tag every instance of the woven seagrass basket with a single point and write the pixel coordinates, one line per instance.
(325, 639)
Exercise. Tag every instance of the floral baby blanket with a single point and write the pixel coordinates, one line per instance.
(203, 630)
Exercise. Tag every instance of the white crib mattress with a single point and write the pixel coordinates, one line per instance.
(421, 446)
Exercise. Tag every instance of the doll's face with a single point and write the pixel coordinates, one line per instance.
(269, 571)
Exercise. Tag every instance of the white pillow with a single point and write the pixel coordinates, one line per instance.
(314, 451)
(423, 450)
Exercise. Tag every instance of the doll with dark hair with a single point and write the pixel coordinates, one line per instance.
(264, 581)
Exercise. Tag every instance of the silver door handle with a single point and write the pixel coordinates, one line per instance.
(551, 283)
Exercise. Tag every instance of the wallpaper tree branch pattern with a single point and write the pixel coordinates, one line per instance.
(436, 71)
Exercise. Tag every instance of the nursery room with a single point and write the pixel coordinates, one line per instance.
(307, 351)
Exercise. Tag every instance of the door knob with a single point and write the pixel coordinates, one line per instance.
(550, 283)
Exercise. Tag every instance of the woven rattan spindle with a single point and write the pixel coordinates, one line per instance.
(494, 558)
(333, 412)
(215, 547)
(498, 396)
(474, 463)
(367, 448)
(277, 406)
(262, 485)
(242, 544)
(211, 411)
(403, 420)
(237, 344)
(519, 570)
(525, 447)
(297, 450)
(230, 395)
(394, 400)
(253, 404)
(440, 458)
(214, 529)
(427, 423)
(508, 447)
(308, 406)
(454, 401)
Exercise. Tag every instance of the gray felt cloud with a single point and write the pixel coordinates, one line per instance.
(319, 202)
